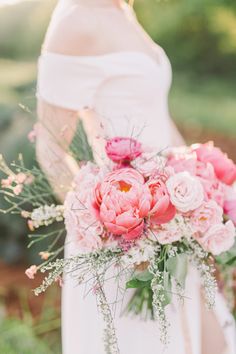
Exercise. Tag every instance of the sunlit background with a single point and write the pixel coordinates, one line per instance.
(199, 37)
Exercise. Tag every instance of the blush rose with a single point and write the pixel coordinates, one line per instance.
(219, 238)
(186, 192)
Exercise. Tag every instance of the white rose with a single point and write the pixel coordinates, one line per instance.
(186, 192)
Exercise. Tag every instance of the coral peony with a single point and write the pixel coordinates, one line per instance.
(122, 201)
(162, 210)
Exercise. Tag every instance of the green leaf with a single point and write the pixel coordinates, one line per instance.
(167, 289)
(135, 283)
(177, 267)
(144, 276)
(228, 258)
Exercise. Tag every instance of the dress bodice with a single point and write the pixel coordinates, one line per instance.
(124, 92)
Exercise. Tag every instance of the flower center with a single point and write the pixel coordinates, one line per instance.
(124, 187)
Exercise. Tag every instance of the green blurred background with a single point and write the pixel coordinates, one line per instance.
(199, 37)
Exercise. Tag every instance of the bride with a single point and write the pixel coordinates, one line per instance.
(98, 64)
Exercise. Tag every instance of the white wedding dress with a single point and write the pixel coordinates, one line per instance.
(122, 94)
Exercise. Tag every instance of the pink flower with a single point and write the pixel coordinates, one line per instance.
(29, 179)
(17, 189)
(162, 211)
(30, 225)
(44, 255)
(60, 281)
(33, 134)
(120, 149)
(31, 271)
(183, 164)
(122, 201)
(149, 164)
(20, 178)
(214, 190)
(186, 191)
(7, 182)
(224, 168)
(193, 166)
(81, 223)
(219, 238)
(230, 209)
(168, 233)
(208, 214)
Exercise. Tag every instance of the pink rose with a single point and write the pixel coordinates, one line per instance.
(186, 192)
(193, 166)
(214, 190)
(225, 169)
(230, 209)
(183, 164)
(162, 211)
(81, 224)
(208, 214)
(122, 201)
(149, 164)
(120, 149)
(31, 271)
(219, 238)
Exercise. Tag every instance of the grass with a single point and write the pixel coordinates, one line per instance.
(206, 102)
(14, 78)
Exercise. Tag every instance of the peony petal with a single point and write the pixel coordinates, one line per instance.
(115, 229)
(127, 220)
(135, 233)
(167, 216)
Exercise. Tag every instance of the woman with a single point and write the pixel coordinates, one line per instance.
(98, 63)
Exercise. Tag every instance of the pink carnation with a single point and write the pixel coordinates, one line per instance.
(208, 214)
(122, 201)
(219, 238)
(120, 149)
(224, 168)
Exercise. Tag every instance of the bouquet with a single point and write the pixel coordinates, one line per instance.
(147, 214)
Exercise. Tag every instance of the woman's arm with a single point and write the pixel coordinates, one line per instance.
(176, 137)
(55, 131)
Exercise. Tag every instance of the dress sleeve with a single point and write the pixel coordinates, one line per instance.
(68, 82)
